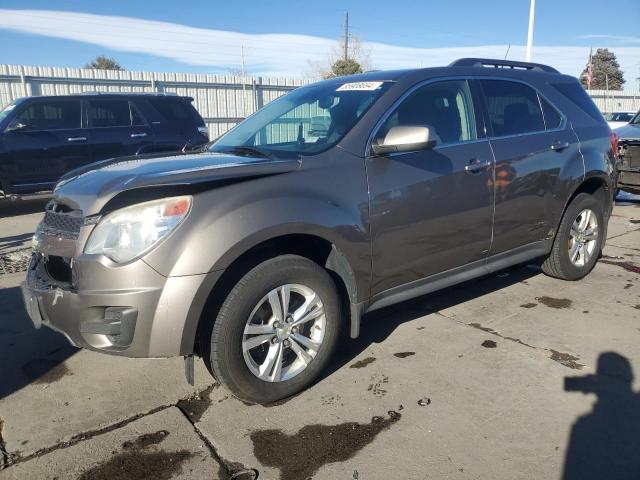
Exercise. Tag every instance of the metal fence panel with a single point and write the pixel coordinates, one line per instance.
(222, 100)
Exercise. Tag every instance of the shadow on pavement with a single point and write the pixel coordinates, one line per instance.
(14, 242)
(27, 355)
(10, 208)
(605, 443)
(377, 326)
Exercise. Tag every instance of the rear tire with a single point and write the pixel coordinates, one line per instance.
(579, 240)
(258, 350)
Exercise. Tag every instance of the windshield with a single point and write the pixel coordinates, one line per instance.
(306, 121)
(618, 117)
(636, 119)
(6, 110)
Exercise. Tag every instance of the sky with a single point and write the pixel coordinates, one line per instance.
(291, 37)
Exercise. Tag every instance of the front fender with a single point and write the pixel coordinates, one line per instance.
(226, 222)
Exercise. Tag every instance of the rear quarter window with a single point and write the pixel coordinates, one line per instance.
(175, 110)
(579, 97)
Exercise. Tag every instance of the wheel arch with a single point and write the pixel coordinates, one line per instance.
(217, 284)
(595, 185)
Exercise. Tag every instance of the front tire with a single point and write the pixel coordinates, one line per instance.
(579, 240)
(276, 330)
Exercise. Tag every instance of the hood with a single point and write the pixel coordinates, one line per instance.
(628, 132)
(91, 188)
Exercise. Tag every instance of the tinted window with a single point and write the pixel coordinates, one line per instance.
(445, 107)
(136, 118)
(552, 118)
(513, 108)
(574, 92)
(173, 110)
(51, 115)
(109, 113)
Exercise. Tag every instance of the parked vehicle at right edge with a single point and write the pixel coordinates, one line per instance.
(618, 119)
(337, 199)
(629, 143)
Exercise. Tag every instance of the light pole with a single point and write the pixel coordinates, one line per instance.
(532, 12)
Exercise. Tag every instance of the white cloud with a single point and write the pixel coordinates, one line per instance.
(270, 54)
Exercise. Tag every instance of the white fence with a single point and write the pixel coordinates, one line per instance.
(616, 100)
(222, 100)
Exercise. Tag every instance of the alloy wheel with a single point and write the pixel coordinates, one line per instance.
(283, 333)
(583, 238)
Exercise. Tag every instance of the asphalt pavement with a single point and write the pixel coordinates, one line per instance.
(512, 376)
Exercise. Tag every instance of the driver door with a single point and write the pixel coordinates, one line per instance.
(431, 210)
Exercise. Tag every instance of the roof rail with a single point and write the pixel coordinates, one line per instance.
(153, 94)
(512, 64)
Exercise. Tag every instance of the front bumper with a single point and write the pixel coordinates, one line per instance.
(129, 310)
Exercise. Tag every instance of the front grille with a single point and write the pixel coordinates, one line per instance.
(60, 221)
(630, 153)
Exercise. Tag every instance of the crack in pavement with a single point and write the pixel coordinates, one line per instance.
(565, 359)
(229, 470)
(232, 470)
(80, 437)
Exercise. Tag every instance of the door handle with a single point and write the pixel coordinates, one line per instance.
(476, 166)
(136, 135)
(77, 139)
(559, 145)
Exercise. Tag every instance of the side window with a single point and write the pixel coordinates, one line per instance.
(513, 108)
(51, 115)
(136, 117)
(552, 118)
(173, 110)
(109, 113)
(445, 107)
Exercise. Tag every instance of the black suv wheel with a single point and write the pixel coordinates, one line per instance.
(579, 240)
(276, 330)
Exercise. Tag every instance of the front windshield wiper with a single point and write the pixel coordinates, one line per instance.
(243, 150)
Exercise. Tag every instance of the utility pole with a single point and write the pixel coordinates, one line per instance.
(532, 11)
(346, 36)
(244, 103)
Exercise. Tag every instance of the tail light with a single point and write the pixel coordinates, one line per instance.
(204, 131)
(613, 136)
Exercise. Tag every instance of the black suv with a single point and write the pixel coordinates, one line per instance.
(334, 200)
(42, 138)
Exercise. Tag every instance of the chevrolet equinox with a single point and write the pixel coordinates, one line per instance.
(339, 198)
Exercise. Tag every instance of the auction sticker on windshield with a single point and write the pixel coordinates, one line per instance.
(367, 86)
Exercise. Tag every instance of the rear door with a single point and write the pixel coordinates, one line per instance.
(44, 141)
(116, 128)
(532, 144)
(431, 210)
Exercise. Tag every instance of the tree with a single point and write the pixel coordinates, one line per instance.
(344, 67)
(103, 63)
(357, 61)
(605, 70)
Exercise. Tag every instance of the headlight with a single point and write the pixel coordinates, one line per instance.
(129, 232)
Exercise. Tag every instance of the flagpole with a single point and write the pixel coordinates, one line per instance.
(532, 10)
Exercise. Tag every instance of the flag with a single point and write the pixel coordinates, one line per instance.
(590, 70)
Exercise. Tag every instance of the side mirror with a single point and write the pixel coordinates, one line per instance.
(15, 126)
(408, 138)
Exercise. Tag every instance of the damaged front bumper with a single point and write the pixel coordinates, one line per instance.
(629, 168)
(129, 310)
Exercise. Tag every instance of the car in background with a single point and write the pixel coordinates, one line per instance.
(42, 138)
(629, 149)
(618, 119)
